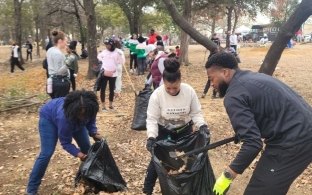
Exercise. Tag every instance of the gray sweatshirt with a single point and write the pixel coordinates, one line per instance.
(56, 62)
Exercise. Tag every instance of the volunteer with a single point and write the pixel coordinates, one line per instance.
(57, 68)
(64, 119)
(262, 107)
(173, 112)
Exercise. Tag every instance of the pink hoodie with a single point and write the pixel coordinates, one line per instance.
(110, 60)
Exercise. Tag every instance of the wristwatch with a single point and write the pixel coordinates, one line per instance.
(228, 174)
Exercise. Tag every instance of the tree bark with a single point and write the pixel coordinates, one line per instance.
(301, 14)
(236, 16)
(213, 26)
(81, 30)
(187, 27)
(134, 25)
(37, 35)
(91, 23)
(229, 24)
(185, 38)
(18, 26)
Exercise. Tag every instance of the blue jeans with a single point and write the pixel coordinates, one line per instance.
(48, 138)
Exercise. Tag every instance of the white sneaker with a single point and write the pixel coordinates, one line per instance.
(131, 71)
(134, 70)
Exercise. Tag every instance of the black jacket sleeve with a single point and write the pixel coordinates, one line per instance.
(246, 130)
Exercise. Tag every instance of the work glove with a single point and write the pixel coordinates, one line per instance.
(75, 75)
(150, 144)
(97, 137)
(222, 185)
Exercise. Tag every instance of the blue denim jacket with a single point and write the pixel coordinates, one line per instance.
(53, 111)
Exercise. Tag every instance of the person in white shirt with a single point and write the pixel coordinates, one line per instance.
(173, 112)
(14, 58)
(119, 68)
(233, 41)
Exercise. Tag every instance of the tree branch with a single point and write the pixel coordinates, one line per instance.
(80, 4)
(302, 13)
(187, 27)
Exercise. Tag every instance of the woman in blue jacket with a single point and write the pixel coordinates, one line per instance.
(65, 118)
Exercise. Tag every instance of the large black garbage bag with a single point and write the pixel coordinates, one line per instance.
(140, 109)
(196, 176)
(99, 170)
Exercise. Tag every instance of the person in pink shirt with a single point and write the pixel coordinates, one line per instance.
(111, 60)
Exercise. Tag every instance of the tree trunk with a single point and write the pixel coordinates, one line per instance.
(185, 38)
(187, 27)
(18, 26)
(92, 50)
(134, 23)
(301, 14)
(62, 21)
(213, 25)
(236, 16)
(81, 30)
(37, 35)
(229, 24)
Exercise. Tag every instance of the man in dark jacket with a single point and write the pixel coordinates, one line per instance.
(29, 48)
(262, 107)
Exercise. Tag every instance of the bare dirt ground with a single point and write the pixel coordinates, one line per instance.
(19, 141)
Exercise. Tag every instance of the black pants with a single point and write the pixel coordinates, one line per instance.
(60, 87)
(151, 174)
(29, 55)
(141, 65)
(278, 168)
(133, 58)
(112, 82)
(234, 47)
(14, 61)
(72, 79)
(214, 92)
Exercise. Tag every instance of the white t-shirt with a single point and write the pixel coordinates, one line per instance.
(233, 40)
(15, 51)
(173, 111)
(119, 71)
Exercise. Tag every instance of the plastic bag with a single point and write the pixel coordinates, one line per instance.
(188, 175)
(140, 109)
(99, 170)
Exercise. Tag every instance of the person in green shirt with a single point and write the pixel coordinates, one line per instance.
(141, 55)
(131, 44)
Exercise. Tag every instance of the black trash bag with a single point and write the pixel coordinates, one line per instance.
(99, 171)
(184, 176)
(140, 109)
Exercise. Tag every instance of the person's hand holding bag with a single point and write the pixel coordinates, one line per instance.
(150, 144)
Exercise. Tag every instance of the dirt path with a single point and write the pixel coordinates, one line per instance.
(19, 140)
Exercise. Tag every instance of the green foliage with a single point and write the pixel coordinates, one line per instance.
(159, 20)
(110, 15)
